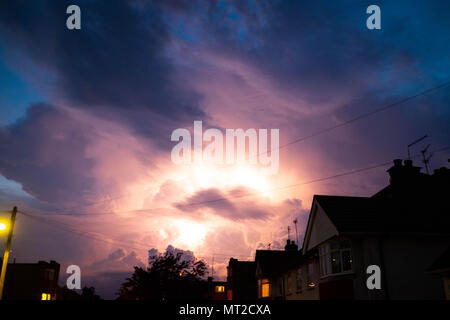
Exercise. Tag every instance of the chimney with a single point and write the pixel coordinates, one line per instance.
(290, 246)
(408, 163)
(410, 169)
(403, 174)
(396, 171)
(397, 163)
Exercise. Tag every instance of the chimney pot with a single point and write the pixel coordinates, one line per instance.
(397, 162)
(408, 163)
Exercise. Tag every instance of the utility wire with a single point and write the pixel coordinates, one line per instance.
(90, 235)
(365, 115)
(86, 234)
(300, 139)
(192, 204)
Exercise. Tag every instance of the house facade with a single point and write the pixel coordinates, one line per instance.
(271, 266)
(287, 274)
(402, 229)
(241, 280)
(301, 278)
(31, 281)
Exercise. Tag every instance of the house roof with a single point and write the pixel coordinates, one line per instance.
(350, 214)
(413, 203)
(270, 263)
(369, 215)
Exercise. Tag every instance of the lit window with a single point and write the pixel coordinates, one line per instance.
(220, 289)
(265, 288)
(46, 296)
(335, 258)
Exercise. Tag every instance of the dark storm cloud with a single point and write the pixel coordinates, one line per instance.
(301, 45)
(323, 52)
(45, 151)
(207, 199)
(223, 204)
(114, 66)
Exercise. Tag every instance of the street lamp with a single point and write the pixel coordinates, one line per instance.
(4, 226)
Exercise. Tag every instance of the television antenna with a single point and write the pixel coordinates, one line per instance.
(413, 143)
(426, 160)
(296, 232)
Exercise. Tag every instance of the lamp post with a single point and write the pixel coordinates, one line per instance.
(7, 250)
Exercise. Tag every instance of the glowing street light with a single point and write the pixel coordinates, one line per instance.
(4, 226)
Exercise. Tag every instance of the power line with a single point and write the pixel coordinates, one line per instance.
(300, 139)
(192, 204)
(67, 228)
(90, 235)
(86, 234)
(227, 198)
(365, 115)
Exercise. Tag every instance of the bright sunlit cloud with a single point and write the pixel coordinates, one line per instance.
(203, 176)
(190, 234)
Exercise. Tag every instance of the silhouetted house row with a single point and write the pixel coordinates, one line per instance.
(31, 281)
(274, 275)
(301, 279)
(286, 275)
(241, 280)
(403, 229)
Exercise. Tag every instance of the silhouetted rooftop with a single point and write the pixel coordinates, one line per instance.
(272, 262)
(370, 215)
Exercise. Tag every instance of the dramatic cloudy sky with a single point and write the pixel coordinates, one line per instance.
(86, 117)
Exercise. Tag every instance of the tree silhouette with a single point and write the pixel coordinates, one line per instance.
(89, 294)
(169, 277)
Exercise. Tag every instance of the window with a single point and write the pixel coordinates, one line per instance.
(299, 279)
(335, 257)
(219, 289)
(49, 274)
(289, 283)
(46, 296)
(309, 270)
(310, 275)
(264, 288)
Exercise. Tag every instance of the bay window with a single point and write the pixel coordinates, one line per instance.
(335, 257)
